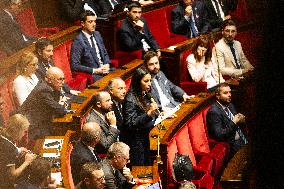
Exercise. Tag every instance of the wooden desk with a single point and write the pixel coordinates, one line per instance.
(232, 177)
(136, 170)
(39, 149)
(72, 121)
(186, 111)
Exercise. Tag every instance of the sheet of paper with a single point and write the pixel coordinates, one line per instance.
(53, 143)
(51, 155)
(166, 115)
(172, 47)
(57, 177)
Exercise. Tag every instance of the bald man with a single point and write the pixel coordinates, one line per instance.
(103, 115)
(84, 149)
(44, 103)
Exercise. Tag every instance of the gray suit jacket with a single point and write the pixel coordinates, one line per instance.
(226, 60)
(109, 134)
(173, 92)
(113, 177)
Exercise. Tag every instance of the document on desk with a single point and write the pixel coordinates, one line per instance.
(58, 179)
(166, 114)
(53, 143)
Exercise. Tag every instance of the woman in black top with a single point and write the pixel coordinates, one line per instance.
(140, 113)
(9, 152)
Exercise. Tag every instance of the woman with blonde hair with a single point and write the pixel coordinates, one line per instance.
(26, 80)
(9, 152)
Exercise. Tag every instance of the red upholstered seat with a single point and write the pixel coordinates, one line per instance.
(202, 145)
(28, 24)
(181, 143)
(61, 60)
(189, 86)
(10, 105)
(241, 15)
(124, 57)
(127, 83)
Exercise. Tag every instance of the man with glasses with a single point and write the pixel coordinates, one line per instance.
(44, 103)
(230, 56)
(114, 163)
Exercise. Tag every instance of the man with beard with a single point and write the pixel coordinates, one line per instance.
(230, 56)
(103, 115)
(223, 121)
(165, 93)
(134, 33)
(44, 53)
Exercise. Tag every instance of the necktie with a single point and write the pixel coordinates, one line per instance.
(241, 134)
(238, 66)
(193, 26)
(96, 48)
(113, 3)
(217, 8)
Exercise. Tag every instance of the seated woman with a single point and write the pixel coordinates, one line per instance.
(202, 66)
(26, 80)
(9, 152)
(140, 112)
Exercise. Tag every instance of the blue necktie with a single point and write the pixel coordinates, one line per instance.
(193, 26)
(241, 134)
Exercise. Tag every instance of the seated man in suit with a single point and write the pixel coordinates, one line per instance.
(190, 18)
(84, 149)
(45, 102)
(92, 176)
(88, 52)
(117, 91)
(134, 33)
(11, 37)
(223, 121)
(102, 114)
(114, 163)
(165, 93)
(71, 9)
(217, 12)
(44, 53)
(230, 56)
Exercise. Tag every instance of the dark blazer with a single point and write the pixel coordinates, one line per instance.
(173, 92)
(11, 38)
(120, 122)
(130, 38)
(108, 135)
(84, 57)
(220, 127)
(113, 177)
(80, 155)
(105, 7)
(40, 107)
(213, 18)
(41, 72)
(71, 9)
(180, 24)
(138, 125)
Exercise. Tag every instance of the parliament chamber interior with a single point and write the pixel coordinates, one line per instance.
(257, 95)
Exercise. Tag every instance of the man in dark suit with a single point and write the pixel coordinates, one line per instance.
(71, 9)
(11, 37)
(165, 93)
(190, 18)
(44, 53)
(217, 13)
(103, 115)
(84, 149)
(117, 90)
(44, 103)
(114, 163)
(223, 121)
(134, 33)
(88, 53)
(92, 176)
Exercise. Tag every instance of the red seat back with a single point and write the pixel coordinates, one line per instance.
(157, 22)
(60, 57)
(27, 22)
